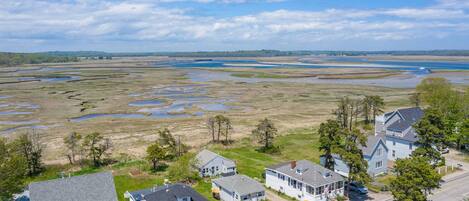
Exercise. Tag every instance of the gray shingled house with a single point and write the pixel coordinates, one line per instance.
(90, 187)
(172, 192)
(304, 180)
(238, 187)
(212, 164)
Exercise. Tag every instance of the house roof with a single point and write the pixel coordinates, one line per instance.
(312, 174)
(205, 156)
(409, 116)
(91, 187)
(241, 184)
(371, 144)
(167, 193)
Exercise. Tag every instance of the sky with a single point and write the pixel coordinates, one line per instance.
(226, 25)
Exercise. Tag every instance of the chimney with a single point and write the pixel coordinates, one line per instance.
(293, 165)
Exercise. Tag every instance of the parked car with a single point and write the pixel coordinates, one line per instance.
(443, 150)
(354, 186)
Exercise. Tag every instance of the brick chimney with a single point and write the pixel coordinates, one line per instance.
(293, 165)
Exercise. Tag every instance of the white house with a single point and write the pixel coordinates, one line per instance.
(304, 181)
(397, 127)
(212, 164)
(238, 188)
(375, 153)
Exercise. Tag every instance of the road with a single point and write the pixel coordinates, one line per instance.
(454, 190)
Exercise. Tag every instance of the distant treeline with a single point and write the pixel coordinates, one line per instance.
(14, 59)
(258, 53)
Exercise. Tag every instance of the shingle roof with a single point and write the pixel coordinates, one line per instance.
(312, 174)
(205, 156)
(409, 117)
(167, 193)
(371, 144)
(241, 184)
(91, 187)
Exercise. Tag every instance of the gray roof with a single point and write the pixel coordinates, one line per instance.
(371, 143)
(91, 187)
(205, 156)
(409, 116)
(241, 184)
(312, 174)
(167, 193)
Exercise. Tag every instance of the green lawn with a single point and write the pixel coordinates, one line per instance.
(295, 145)
(127, 183)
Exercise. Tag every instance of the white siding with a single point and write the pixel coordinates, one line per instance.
(273, 181)
(216, 167)
(401, 148)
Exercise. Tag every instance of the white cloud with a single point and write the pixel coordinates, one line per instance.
(138, 21)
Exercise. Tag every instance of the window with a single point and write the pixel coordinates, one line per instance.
(379, 164)
(310, 190)
(332, 187)
(236, 196)
(393, 153)
(281, 176)
(394, 143)
(410, 146)
(260, 194)
(340, 184)
(320, 190)
(378, 152)
(217, 168)
(300, 185)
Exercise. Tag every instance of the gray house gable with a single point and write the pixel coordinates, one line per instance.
(205, 157)
(380, 143)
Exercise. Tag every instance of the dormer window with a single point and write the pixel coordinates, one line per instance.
(327, 174)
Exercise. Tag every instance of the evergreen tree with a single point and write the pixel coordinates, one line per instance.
(265, 132)
(330, 138)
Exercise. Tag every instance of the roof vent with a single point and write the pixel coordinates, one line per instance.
(327, 174)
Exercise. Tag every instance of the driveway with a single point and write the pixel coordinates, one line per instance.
(354, 196)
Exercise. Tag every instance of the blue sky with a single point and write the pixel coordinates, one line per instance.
(209, 25)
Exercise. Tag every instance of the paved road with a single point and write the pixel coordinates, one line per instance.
(455, 189)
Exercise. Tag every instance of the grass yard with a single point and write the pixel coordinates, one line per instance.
(127, 183)
(295, 145)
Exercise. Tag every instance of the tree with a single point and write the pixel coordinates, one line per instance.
(13, 170)
(330, 138)
(155, 154)
(265, 132)
(439, 94)
(220, 125)
(415, 99)
(352, 156)
(430, 130)
(228, 128)
(415, 179)
(342, 112)
(182, 171)
(173, 147)
(377, 104)
(72, 142)
(211, 126)
(366, 108)
(30, 147)
(96, 146)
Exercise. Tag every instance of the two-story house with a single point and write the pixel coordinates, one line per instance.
(304, 180)
(211, 164)
(375, 153)
(397, 127)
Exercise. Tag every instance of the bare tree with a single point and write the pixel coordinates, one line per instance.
(211, 127)
(72, 142)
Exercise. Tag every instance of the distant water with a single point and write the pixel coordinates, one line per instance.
(401, 65)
